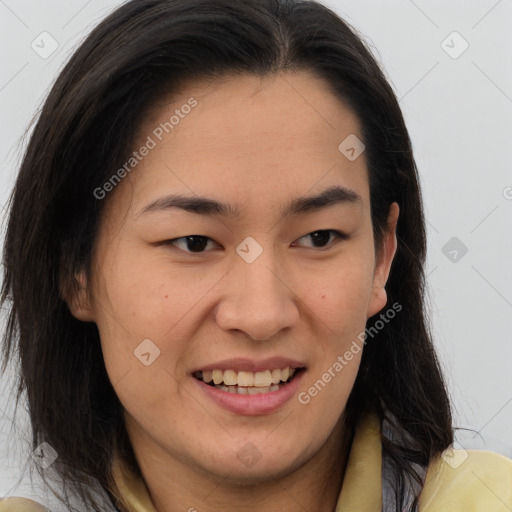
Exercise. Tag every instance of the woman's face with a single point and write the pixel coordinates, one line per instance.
(263, 287)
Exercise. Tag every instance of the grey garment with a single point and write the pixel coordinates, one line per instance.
(43, 493)
(412, 489)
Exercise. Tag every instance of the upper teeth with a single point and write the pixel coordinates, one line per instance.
(247, 379)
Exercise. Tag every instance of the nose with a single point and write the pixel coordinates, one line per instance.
(258, 299)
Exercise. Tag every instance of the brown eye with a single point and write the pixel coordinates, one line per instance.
(191, 243)
(322, 237)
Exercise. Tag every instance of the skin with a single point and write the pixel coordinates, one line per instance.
(255, 143)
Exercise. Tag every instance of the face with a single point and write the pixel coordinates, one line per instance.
(260, 296)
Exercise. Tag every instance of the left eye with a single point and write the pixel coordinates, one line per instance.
(321, 238)
(198, 243)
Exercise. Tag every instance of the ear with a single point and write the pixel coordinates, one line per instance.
(385, 255)
(77, 298)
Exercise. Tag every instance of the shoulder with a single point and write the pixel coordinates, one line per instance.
(468, 481)
(21, 505)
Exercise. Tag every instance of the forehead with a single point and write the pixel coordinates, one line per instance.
(249, 139)
(233, 107)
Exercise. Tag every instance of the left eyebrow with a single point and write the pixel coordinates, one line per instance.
(206, 206)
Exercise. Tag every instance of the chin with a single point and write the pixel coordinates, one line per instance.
(251, 466)
(259, 474)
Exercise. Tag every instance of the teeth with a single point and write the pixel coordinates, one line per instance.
(245, 379)
(218, 376)
(257, 391)
(230, 378)
(262, 380)
(248, 391)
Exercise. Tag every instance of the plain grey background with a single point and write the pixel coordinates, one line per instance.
(457, 103)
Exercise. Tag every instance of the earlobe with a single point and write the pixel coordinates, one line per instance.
(77, 298)
(386, 254)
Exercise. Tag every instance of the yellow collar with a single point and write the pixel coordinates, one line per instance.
(362, 485)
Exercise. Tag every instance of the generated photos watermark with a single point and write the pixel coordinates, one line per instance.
(152, 141)
(343, 360)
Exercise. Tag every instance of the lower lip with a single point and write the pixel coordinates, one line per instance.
(252, 405)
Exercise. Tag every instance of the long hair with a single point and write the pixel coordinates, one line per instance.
(142, 50)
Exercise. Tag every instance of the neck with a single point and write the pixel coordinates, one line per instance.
(315, 485)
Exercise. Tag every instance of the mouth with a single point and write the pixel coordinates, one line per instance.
(249, 383)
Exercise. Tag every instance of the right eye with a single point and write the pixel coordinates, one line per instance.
(190, 243)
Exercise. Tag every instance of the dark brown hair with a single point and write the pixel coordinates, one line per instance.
(86, 128)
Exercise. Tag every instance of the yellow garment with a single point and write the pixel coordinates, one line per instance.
(20, 505)
(472, 481)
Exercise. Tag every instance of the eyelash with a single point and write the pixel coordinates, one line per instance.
(337, 234)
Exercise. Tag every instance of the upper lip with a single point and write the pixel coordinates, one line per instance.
(250, 365)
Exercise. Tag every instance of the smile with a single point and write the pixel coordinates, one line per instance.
(247, 383)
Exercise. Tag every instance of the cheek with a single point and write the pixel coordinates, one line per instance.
(148, 299)
(150, 294)
(339, 295)
(339, 301)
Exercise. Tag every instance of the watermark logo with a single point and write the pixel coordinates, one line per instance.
(44, 45)
(249, 249)
(454, 45)
(454, 249)
(147, 352)
(455, 456)
(45, 455)
(249, 455)
(352, 147)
